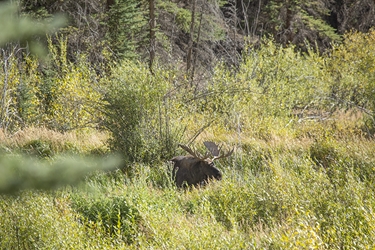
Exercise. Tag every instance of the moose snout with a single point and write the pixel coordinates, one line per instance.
(217, 174)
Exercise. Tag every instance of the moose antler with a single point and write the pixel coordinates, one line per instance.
(212, 147)
(223, 155)
(215, 150)
(192, 152)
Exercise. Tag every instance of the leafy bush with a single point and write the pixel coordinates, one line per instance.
(137, 114)
(69, 94)
(284, 202)
(351, 66)
(324, 154)
(19, 86)
(62, 96)
(271, 85)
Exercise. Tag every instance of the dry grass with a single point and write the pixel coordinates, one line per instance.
(84, 141)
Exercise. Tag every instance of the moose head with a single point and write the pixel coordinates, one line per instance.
(196, 169)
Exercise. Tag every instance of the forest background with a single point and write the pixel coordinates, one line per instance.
(116, 85)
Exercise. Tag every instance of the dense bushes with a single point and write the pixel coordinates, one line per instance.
(271, 84)
(138, 113)
(351, 67)
(301, 175)
(147, 113)
(56, 94)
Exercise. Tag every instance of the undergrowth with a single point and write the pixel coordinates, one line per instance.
(293, 194)
(301, 176)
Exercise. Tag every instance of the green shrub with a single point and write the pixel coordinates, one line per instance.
(271, 85)
(19, 84)
(344, 214)
(233, 204)
(351, 66)
(161, 176)
(138, 114)
(286, 202)
(253, 158)
(69, 93)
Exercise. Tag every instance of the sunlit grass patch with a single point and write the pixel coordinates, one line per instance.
(46, 142)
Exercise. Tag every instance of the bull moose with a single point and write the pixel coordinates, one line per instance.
(196, 169)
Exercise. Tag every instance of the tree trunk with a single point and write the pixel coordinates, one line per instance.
(191, 39)
(152, 34)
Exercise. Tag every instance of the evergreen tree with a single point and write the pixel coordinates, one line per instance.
(126, 28)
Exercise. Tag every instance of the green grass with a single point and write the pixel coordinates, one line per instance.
(279, 194)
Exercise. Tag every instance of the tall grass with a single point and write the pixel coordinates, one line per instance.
(280, 194)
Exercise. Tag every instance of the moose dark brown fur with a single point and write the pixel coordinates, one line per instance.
(196, 169)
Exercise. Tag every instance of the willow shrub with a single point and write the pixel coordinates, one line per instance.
(19, 92)
(138, 113)
(56, 93)
(296, 203)
(69, 94)
(351, 65)
(270, 85)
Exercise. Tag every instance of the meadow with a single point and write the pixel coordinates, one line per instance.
(301, 176)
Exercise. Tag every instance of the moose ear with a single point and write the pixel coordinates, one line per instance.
(212, 147)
